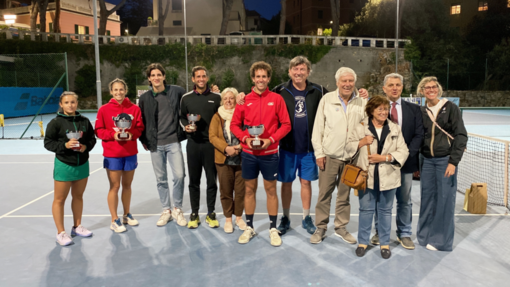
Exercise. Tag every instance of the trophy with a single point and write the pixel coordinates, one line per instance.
(123, 122)
(255, 132)
(193, 118)
(77, 136)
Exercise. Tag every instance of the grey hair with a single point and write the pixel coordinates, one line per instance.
(117, 80)
(393, 76)
(228, 90)
(345, 70)
(299, 60)
(426, 80)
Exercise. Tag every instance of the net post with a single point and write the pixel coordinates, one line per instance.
(506, 175)
(42, 106)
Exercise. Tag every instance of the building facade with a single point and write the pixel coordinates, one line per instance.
(462, 12)
(203, 17)
(306, 16)
(76, 16)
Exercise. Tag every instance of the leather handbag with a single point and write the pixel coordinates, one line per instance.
(354, 176)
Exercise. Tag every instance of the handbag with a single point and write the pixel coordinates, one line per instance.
(354, 176)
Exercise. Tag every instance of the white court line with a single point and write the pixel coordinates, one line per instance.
(54, 162)
(40, 197)
(219, 213)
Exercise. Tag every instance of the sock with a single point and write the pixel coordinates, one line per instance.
(249, 220)
(272, 220)
(286, 212)
(363, 245)
(306, 212)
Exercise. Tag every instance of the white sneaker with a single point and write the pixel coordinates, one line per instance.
(241, 224)
(274, 235)
(179, 217)
(64, 239)
(247, 235)
(117, 226)
(430, 247)
(165, 217)
(81, 231)
(128, 219)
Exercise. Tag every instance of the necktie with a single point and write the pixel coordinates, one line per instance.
(394, 115)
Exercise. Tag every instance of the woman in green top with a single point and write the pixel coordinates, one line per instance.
(71, 137)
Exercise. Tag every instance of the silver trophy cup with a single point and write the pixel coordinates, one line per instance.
(123, 125)
(77, 136)
(255, 132)
(193, 118)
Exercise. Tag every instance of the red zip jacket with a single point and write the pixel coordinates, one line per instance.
(268, 109)
(105, 128)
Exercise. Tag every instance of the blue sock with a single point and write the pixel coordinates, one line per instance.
(249, 220)
(272, 221)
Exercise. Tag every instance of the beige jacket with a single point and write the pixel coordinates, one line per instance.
(332, 124)
(389, 174)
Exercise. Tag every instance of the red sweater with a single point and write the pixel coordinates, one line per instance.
(268, 109)
(106, 129)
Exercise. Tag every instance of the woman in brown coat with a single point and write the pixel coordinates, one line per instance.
(228, 161)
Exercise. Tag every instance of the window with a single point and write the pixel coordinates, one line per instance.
(256, 22)
(319, 14)
(508, 5)
(51, 27)
(483, 6)
(83, 30)
(108, 33)
(177, 5)
(455, 10)
(177, 23)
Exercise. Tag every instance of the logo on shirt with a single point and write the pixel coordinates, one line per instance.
(249, 104)
(211, 102)
(300, 107)
(270, 104)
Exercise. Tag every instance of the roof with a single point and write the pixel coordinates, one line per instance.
(252, 13)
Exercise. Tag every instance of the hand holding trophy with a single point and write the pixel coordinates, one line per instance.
(74, 136)
(193, 118)
(123, 122)
(255, 132)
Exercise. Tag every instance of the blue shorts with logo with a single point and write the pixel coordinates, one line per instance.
(121, 163)
(304, 163)
(266, 164)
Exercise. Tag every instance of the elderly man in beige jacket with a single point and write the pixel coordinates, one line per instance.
(338, 112)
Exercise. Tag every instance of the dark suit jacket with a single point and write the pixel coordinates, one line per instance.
(412, 129)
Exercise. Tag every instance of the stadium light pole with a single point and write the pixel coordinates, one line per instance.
(98, 70)
(186, 45)
(396, 41)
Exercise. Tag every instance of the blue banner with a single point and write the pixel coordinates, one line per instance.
(20, 102)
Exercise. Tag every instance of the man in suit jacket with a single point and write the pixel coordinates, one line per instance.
(408, 116)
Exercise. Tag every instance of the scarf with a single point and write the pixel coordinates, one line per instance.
(226, 115)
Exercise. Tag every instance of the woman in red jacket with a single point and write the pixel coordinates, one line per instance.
(119, 149)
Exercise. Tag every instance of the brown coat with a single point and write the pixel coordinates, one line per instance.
(217, 138)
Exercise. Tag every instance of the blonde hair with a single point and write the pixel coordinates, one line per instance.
(117, 80)
(226, 91)
(426, 80)
(68, 93)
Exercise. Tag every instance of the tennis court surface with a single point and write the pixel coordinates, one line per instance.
(148, 255)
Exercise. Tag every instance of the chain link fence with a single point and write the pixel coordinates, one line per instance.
(30, 87)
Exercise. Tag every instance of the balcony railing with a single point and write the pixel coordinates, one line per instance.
(208, 40)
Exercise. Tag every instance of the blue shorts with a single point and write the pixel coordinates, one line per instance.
(266, 164)
(304, 163)
(120, 163)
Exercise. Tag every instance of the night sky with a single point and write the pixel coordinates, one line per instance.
(266, 8)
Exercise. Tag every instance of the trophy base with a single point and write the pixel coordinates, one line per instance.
(256, 144)
(193, 128)
(123, 136)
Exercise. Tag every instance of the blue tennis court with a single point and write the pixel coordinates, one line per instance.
(148, 255)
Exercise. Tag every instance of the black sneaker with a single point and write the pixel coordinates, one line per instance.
(194, 221)
(385, 253)
(284, 225)
(360, 251)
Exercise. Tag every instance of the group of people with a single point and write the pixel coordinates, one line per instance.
(297, 128)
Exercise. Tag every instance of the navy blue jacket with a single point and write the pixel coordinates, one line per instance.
(412, 130)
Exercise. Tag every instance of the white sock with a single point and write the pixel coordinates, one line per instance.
(306, 212)
(286, 212)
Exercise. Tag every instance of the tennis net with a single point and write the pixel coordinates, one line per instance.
(486, 160)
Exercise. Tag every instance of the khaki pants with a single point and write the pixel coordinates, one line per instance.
(232, 189)
(328, 179)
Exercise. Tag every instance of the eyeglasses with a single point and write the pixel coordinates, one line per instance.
(431, 88)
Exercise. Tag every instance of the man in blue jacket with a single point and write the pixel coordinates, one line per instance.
(408, 116)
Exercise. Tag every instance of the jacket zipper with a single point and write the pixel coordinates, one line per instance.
(433, 135)
(77, 155)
